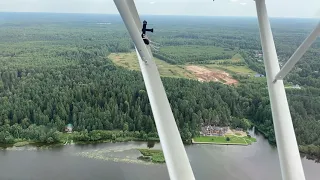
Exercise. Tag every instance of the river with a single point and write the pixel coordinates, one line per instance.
(117, 161)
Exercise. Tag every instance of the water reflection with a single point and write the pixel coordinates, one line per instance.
(97, 161)
(151, 144)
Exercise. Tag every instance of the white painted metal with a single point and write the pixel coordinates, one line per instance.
(134, 12)
(290, 161)
(176, 157)
(136, 18)
(298, 53)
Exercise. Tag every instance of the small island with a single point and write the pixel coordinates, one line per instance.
(223, 136)
(153, 155)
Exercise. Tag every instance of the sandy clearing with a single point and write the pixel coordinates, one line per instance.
(205, 75)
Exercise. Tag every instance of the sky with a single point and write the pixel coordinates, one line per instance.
(276, 8)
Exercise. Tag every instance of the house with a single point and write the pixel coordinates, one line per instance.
(69, 128)
(259, 75)
(296, 86)
(258, 54)
(213, 130)
(225, 129)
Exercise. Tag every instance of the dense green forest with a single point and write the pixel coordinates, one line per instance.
(192, 53)
(54, 71)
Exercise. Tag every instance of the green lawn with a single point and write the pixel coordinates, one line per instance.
(222, 139)
(219, 139)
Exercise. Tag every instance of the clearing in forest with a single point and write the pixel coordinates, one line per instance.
(205, 75)
(130, 61)
(205, 72)
(235, 65)
(194, 53)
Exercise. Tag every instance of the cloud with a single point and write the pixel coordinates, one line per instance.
(152, 2)
(243, 4)
(317, 14)
(234, 0)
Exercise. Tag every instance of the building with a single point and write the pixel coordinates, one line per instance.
(296, 86)
(259, 75)
(69, 128)
(213, 130)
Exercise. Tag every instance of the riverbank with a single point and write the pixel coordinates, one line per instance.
(224, 140)
(93, 137)
(104, 159)
(104, 136)
(311, 152)
(240, 144)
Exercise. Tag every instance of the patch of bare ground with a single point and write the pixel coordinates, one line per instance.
(205, 75)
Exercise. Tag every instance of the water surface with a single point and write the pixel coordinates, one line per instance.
(117, 161)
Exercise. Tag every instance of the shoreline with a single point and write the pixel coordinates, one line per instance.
(222, 140)
(39, 144)
(20, 144)
(215, 143)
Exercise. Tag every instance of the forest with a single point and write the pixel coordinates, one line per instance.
(54, 71)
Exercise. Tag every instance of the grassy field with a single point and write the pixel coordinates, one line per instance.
(130, 61)
(223, 140)
(236, 58)
(242, 70)
(195, 53)
(231, 68)
(21, 143)
(156, 155)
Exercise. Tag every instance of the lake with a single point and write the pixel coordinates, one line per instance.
(117, 161)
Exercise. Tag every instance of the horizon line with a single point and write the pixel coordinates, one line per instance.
(88, 13)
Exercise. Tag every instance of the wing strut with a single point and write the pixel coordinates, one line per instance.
(290, 161)
(176, 158)
(177, 162)
(298, 53)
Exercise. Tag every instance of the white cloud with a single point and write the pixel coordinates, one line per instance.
(234, 0)
(152, 2)
(317, 14)
(243, 4)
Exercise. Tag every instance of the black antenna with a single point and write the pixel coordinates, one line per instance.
(144, 32)
(144, 28)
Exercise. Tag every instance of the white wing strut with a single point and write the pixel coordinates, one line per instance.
(176, 157)
(290, 161)
(298, 53)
